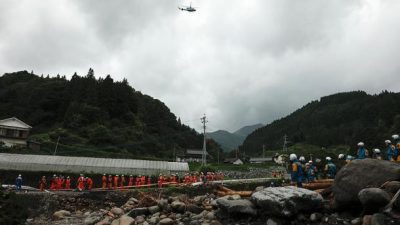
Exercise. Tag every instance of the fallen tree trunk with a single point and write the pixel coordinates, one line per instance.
(316, 186)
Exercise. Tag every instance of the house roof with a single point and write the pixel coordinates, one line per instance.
(231, 160)
(261, 159)
(195, 152)
(71, 164)
(14, 122)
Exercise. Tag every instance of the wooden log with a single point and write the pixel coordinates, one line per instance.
(316, 186)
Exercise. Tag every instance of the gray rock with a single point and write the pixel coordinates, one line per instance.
(194, 208)
(138, 212)
(199, 199)
(378, 219)
(105, 221)
(163, 203)
(367, 220)
(126, 220)
(287, 201)
(166, 221)
(153, 220)
(237, 207)
(178, 206)
(115, 222)
(315, 217)
(145, 223)
(359, 174)
(356, 221)
(373, 199)
(210, 215)
(117, 211)
(61, 214)
(259, 188)
(139, 219)
(134, 200)
(196, 217)
(91, 220)
(215, 222)
(154, 209)
(194, 222)
(272, 221)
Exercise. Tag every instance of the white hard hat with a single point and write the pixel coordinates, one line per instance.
(341, 156)
(19, 175)
(302, 158)
(395, 136)
(377, 150)
(292, 157)
(349, 157)
(317, 160)
(310, 161)
(328, 158)
(388, 141)
(360, 144)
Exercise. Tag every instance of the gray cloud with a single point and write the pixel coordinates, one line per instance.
(240, 62)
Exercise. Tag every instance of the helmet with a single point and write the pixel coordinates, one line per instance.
(104, 174)
(19, 175)
(395, 136)
(341, 156)
(360, 144)
(292, 157)
(349, 157)
(117, 175)
(317, 160)
(302, 158)
(328, 158)
(307, 164)
(310, 161)
(388, 141)
(377, 151)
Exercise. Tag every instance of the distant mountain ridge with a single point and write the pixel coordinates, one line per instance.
(246, 130)
(230, 141)
(339, 119)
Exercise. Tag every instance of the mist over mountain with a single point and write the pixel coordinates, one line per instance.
(230, 141)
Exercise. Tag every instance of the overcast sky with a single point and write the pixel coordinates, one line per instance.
(239, 61)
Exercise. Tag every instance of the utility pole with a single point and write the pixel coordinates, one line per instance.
(55, 150)
(263, 151)
(285, 142)
(204, 156)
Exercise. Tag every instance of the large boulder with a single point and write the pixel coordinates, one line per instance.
(61, 214)
(286, 201)
(237, 207)
(360, 174)
(373, 199)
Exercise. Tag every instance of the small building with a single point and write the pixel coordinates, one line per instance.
(261, 160)
(192, 155)
(235, 161)
(14, 132)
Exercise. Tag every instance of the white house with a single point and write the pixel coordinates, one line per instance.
(14, 132)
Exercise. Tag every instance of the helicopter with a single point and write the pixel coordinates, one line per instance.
(187, 8)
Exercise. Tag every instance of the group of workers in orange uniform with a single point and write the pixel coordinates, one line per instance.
(122, 181)
(114, 182)
(61, 183)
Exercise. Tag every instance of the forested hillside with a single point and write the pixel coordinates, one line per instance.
(343, 118)
(95, 117)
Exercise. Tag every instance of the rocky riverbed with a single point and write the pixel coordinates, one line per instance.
(356, 198)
